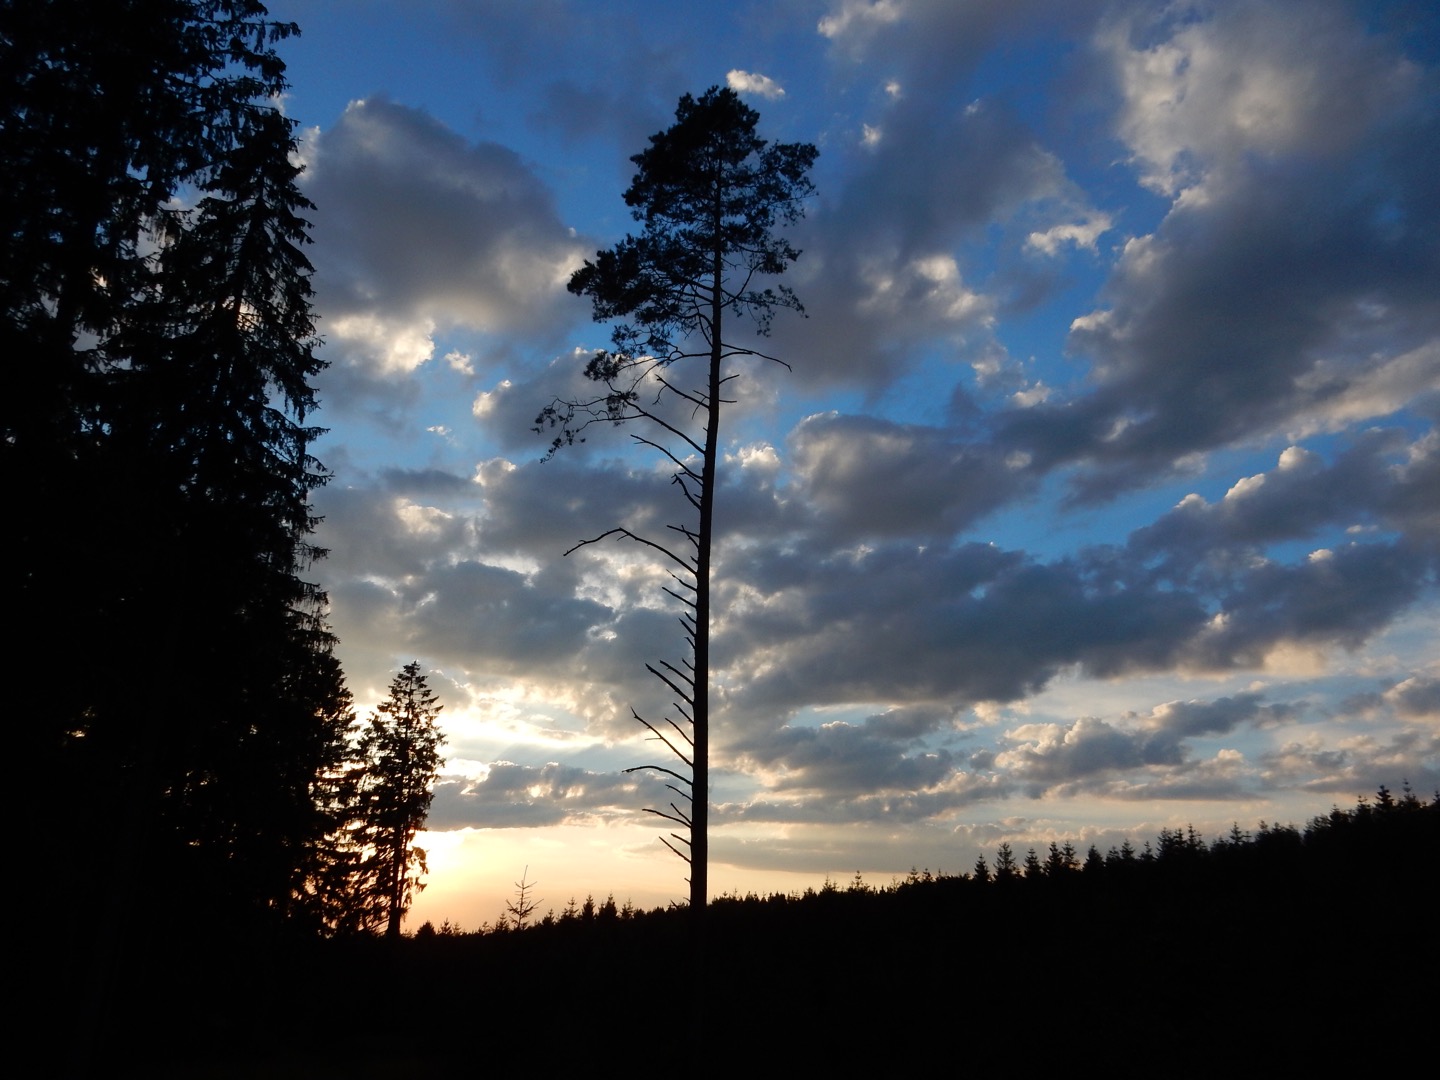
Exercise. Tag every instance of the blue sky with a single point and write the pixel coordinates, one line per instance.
(1103, 496)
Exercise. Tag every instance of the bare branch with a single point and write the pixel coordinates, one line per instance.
(685, 469)
(673, 848)
(627, 534)
(659, 768)
(653, 671)
(664, 739)
(678, 729)
(677, 596)
(679, 675)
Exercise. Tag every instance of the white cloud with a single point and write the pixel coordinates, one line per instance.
(1347, 393)
(464, 363)
(389, 347)
(418, 230)
(927, 283)
(744, 82)
(1254, 78)
(1082, 234)
(856, 16)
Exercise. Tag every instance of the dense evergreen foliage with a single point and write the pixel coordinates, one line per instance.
(181, 693)
(397, 758)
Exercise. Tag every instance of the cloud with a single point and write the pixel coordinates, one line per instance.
(840, 759)
(511, 795)
(868, 477)
(1417, 697)
(417, 229)
(899, 623)
(975, 623)
(1249, 79)
(1356, 766)
(1149, 760)
(889, 809)
(1082, 234)
(1381, 481)
(900, 255)
(851, 17)
(743, 82)
(1049, 753)
(1281, 293)
(934, 46)
(1189, 719)
(1058, 256)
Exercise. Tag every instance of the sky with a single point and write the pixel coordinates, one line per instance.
(1102, 494)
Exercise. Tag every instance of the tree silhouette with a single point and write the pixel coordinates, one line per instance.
(710, 195)
(399, 755)
(1006, 869)
(523, 906)
(155, 312)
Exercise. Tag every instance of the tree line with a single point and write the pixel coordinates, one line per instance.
(1384, 836)
(1275, 944)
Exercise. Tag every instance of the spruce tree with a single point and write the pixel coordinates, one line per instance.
(399, 757)
(155, 310)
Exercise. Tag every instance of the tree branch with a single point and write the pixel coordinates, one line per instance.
(626, 533)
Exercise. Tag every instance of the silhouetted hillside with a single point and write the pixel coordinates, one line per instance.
(1265, 949)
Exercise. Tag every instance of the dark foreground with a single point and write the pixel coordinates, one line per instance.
(1288, 952)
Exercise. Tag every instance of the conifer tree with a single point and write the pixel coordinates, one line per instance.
(710, 196)
(399, 757)
(155, 312)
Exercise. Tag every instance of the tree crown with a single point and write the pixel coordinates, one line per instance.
(709, 193)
